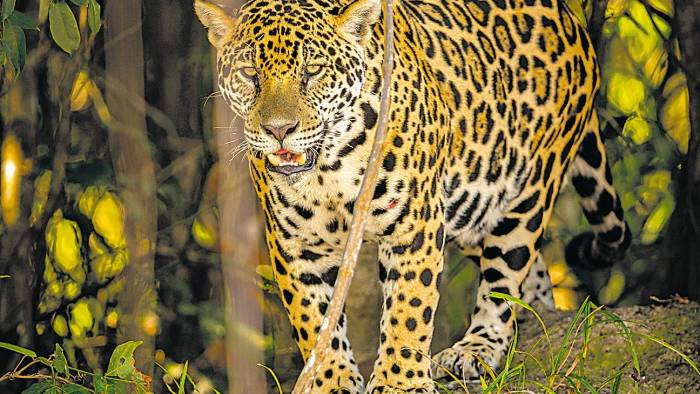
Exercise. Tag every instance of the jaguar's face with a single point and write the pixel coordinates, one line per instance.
(291, 70)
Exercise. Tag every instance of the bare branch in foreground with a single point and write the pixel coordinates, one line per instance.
(361, 210)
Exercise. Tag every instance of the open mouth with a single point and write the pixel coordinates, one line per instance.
(287, 163)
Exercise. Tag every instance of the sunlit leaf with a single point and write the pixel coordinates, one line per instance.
(63, 26)
(121, 363)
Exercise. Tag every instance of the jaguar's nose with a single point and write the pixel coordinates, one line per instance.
(279, 131)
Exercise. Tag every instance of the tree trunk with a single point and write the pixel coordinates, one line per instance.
(134, 168)
(684, 235)
(240, 234)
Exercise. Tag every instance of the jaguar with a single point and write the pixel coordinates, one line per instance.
(492, 108)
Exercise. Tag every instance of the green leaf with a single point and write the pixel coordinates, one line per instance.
(121, 363)
(15, 44)
(4, 276)
(64, 28)
(61, 364)
(74, 389)
(102, 385)
(39, 388)
(24, 21)
(7, 7)
(79, 2)
(18, 349)
(94, 16)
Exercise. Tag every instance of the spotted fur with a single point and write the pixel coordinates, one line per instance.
(492, 103)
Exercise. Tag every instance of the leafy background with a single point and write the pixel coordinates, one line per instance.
(69, 287)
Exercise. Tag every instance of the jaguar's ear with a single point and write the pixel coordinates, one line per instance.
(217, 21)
(355, 23)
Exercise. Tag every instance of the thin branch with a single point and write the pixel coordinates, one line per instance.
(361, 210)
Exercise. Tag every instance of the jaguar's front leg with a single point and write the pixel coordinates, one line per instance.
(507, 257)
(410, 269)
(306, 276)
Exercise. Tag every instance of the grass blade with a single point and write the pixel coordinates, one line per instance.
(165, 371)
(183, 379)
(673, 349)
(628, 338)
(584, 382)
(526, 306)
(274, 376)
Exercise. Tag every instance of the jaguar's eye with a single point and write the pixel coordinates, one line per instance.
(313, 69)
(249, 73)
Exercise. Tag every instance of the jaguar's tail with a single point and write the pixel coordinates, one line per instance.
(610, 236)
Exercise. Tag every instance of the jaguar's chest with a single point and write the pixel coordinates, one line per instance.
(317, 207)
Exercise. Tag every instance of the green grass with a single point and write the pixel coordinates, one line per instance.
(564, 367)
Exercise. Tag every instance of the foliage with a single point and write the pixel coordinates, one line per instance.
(54, 374)
(644, 106)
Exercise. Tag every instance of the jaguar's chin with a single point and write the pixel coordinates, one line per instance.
(286, 162)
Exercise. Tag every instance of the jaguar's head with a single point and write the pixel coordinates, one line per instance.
(291, 69)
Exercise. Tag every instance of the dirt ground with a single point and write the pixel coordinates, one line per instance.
(677, 322)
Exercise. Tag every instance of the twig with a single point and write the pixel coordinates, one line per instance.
(354, 242)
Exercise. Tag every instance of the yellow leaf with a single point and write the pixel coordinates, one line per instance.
(79, 91)
(664, 6)
(612, 291)
(204, 235)
(81, 315)
(60, 325)
(659, 180)
(265, 271)
(42, 184)
(112, 319)
(89, 198)
(97, 248)
(12, 159)
(63, 239)
(655, 67)
(625, 93)
(657, 219)
(637, 129)
(108, 220)
(674, 113)
(71, 290)
(565, 299)
(615, 8)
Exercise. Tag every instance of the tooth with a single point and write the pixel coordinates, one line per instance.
(273, 159)
(301, 159)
